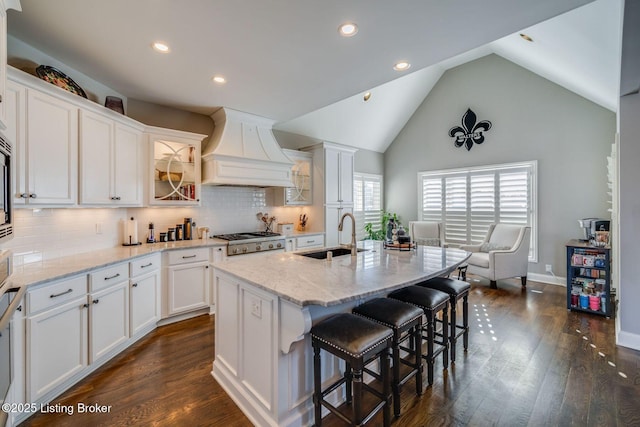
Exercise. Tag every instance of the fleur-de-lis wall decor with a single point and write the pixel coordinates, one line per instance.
(470, 131)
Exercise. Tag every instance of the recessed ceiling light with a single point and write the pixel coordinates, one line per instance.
(348, 29)
(219, 79)
(526, 37)
(367, 96)
(401, 66)
(160, 47)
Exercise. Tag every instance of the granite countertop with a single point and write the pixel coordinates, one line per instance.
(38, 272)
(308, 281)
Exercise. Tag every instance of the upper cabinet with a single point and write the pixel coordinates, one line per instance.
(111, 162)
(338, 163)
(174, 167)
(301, 176)
(44, 131)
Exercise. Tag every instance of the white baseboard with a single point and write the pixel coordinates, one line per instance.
(627, 339)
(547, 278)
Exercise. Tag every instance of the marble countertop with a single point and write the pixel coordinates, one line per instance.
(43, 271)
(308, 281)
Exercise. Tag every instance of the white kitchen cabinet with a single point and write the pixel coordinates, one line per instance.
(290, 244)
(111, 163)
(338, 176)
(309, 241)
(3, 62)
(109, 320)
(187, 281)
(300, 193)
(333, 166)
(44, 130)
(144, 298)
(17, 392)
(57, 335)
(174, 172)
(218, 255)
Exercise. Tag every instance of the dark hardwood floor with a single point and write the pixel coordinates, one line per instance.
(530, 363)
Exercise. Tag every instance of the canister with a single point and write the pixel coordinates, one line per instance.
(188, 229)
(179, 232)
(171, 234)
(584, 301)
(594, 302)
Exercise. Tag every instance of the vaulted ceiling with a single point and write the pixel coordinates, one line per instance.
(284, 59)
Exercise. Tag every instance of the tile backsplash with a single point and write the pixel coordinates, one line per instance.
(41, 234)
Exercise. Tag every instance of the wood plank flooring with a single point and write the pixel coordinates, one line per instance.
(530, 363)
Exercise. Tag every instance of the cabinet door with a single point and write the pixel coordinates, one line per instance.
(145, 302)
(333, 237)
(109, 320)
(175, 167)
(188, 287)
(346, 178)
(56, 347)
(332, 176)
(128, 175)
(96, 159)
(15, 103)
(3, 65)
(52, 150)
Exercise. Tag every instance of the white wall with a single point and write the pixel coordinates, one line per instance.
(533, 119)
(628, 325)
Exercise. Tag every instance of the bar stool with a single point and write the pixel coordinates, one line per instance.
(456, 289)
(405, 320)
(431, 302)
(357, 341)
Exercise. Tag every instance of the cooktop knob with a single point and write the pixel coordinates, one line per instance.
(244, 250)
(235, 250)
(270, 245)
(279, 245)
(258, 247)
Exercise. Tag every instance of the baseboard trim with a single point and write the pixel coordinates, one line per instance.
(627, 339)
(547, 278)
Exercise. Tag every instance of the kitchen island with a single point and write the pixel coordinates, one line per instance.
(267, 304)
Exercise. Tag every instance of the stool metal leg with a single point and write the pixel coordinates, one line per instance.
(386, 387)
(453, 332)
(417, 346)
(465, 320)
(357, 396)
(317, 393)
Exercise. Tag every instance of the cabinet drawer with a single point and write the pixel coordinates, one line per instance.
(188, 255)
(310, 241)
(144, 265)
(56, 293)
(108, 276)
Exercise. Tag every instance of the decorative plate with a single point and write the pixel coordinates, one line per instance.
(58, 78)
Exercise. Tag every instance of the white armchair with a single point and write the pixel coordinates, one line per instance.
(427, 233)
(504, 253)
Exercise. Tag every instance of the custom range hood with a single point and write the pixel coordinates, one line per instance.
(243, 151)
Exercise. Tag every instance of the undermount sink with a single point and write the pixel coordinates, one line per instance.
(322, 254)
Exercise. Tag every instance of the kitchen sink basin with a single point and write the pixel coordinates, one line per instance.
(323, 253)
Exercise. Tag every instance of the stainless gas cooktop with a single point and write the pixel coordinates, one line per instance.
(251, 242)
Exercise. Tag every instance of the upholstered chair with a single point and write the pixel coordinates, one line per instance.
(503, 254)
(427, 233)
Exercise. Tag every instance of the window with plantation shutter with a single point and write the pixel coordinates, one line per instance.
(367, 202)
(468, 200)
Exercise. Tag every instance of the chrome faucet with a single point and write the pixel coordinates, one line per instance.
(354, 250)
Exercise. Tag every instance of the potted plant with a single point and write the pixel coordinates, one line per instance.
(382, 233)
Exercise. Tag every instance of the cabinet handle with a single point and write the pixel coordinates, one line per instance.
(146, 265)
(85, 305)
(115, 198)
(23, 195)
(19, 308)
(33, 195)
(112, 277)
(206, 266)
(309, 241)
(95, 301)
(135, 285)
(61, 293)
(188, 256)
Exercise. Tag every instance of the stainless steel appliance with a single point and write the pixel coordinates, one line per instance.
(6, 227)
(10, 298)
(252, 242)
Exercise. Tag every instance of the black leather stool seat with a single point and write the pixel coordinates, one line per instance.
(457, 289)
(431, 301)
(405, 320)
(357, 341)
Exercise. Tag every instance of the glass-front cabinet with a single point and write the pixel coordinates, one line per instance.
(174, 167)
(301, 171)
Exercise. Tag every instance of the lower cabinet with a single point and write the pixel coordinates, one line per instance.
(187, 284)
(57, 346)
(144, 296)
(109, 319)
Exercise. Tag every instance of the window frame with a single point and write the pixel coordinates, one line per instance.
(360, 233)
(532, 170)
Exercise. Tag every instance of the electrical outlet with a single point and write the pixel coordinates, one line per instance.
(548, 268)
(98, 228)
(256, 308)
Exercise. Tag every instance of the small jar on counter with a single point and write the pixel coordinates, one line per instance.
(171, 234)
